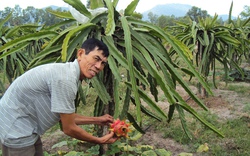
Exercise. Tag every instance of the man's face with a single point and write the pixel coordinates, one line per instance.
(91, 64)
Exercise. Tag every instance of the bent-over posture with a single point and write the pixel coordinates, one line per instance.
(43, 96)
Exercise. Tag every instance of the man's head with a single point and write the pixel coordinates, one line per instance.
(92, 58)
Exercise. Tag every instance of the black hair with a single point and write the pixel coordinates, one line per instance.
(91, 43)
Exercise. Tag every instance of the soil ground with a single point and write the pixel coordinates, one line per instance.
(226, 104)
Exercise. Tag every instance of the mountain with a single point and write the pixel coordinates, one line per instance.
(178, 10)
(225, 17)
(53, 7)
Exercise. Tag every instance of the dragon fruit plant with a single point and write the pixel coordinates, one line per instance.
(121, 128)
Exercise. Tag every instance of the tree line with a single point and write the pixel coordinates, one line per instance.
(43, 17)
(30, 15)
(193, 14)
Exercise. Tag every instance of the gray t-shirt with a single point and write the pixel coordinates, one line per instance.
(32, 103)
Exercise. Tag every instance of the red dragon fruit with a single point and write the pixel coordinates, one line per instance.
(120, 128)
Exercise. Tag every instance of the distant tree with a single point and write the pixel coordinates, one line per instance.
(220, 21)
(16, 14)
(195, 13)
(184, 19)
(30, 14)
(40, 15)
(50, 19)
(246, 13)
(153, 18)
(164, 21)
(5, 13)
(17, 11)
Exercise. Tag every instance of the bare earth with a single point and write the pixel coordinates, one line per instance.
(226, 104)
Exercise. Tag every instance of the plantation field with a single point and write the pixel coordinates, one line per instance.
(155, 56)
(229, 111)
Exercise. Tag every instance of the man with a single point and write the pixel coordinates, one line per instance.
(44, 95)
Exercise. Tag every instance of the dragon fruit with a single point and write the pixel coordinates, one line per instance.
(120, 128)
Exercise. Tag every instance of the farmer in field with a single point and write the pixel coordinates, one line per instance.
(45, 95)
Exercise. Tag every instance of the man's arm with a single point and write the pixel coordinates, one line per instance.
(101, 120)
(70, 128)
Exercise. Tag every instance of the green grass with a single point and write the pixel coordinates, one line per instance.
(239, 88)
(236, 131)
(246, 108)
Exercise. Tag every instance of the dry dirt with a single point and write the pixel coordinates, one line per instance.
(226, 104)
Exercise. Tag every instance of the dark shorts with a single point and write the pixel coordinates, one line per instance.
(33, 150)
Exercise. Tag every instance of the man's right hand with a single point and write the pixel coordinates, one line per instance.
(109, 138)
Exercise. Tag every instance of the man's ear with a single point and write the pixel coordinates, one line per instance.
(80, 52)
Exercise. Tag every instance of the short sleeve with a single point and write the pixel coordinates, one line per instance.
(63, 94)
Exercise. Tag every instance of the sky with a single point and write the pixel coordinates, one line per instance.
(211, 6)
